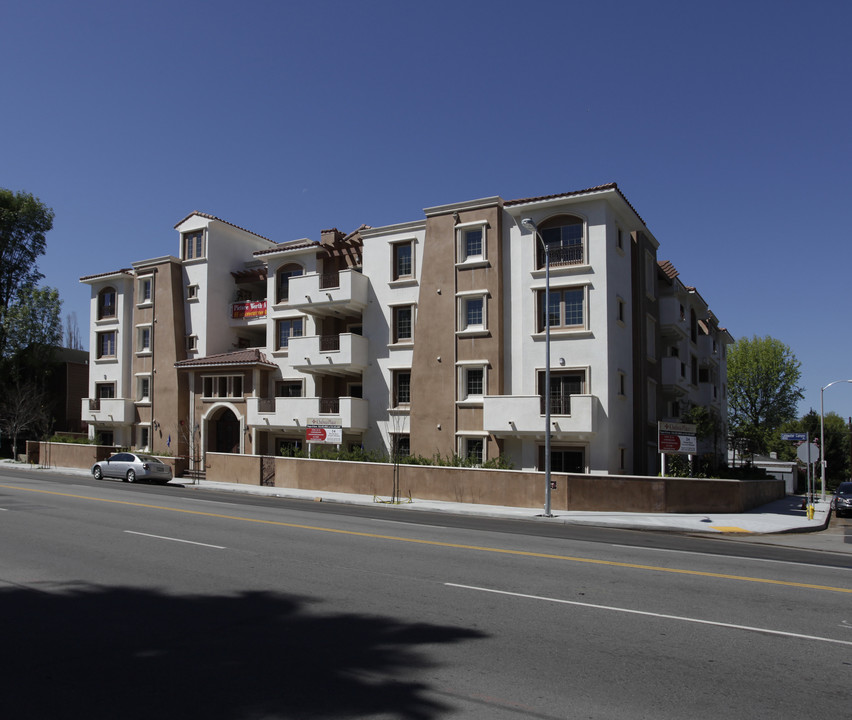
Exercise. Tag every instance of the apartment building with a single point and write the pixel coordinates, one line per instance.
(427, 336)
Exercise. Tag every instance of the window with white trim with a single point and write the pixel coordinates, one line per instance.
(192, 343)
(143, 389)
(106, 344)
(144, 438)
(473, 312)
(286, 329)
(472, 448)
(193, 245)
(401, 388)
(403, 323)
(471, 242)
(145, 287)
(192, 292)
(222, 386)
(472, 381)
(144, 339)
(567, 309)
(564, 236)
(106, 303)
(403, 260)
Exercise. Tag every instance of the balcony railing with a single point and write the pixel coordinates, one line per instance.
(329, 406)
(330, 280)
(329, 343)
(561, 256)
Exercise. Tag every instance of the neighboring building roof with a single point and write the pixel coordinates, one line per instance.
(213, 217)
(573, 193)
(101, 276)
(249, 356)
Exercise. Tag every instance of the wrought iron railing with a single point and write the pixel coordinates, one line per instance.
(559, 256)
(329, 280)
(329, 406)
(329, 343)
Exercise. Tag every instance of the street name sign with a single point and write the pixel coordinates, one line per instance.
(794, 437)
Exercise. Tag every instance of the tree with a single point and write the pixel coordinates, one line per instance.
(72, 332)
(837, 444)
(763, 388)
(24, 407)
(24, 223)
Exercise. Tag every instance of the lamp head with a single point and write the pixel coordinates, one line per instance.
(528, 223)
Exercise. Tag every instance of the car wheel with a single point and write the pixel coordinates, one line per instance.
(98, 473)
(131, 476)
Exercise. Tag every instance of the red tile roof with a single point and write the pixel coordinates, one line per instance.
(213, 217)
(249, 356)
(123, 271)
(573, 193)
(668, 269)
(290, 245)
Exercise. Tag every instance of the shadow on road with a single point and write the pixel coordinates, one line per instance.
(125, 653)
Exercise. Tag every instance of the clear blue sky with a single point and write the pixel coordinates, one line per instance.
(726, 124)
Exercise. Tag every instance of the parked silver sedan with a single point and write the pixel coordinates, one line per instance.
(131, 467)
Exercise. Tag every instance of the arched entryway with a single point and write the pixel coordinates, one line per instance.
(223, 431)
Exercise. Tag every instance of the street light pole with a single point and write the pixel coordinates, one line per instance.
(529, 224)
(822, 432)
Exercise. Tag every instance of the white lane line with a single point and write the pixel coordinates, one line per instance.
(730, 557)
(655, 615)
(163, 537)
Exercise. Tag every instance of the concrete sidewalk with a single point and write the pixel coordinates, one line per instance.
(782, 516)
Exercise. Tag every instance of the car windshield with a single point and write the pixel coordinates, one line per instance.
(845, 489)
(148, 459)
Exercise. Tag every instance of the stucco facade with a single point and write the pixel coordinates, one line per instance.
(427, 337)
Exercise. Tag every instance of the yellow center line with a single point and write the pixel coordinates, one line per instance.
(438, 543)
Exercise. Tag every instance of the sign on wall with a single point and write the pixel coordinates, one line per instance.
(248, 309)
(676, 438)
(324, 430)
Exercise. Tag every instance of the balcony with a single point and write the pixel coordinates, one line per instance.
(672, 322)
(675, 376)
(708, 351)
(337, 294)
(292, 413)
(344, 354)
(523, 416)
(108, 411)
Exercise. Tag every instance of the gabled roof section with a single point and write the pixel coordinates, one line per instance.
(104, 276)
(289, 246)
(213, 217)
(247, 357)
(575, 193)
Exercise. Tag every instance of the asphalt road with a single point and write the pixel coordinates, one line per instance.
(137, 601)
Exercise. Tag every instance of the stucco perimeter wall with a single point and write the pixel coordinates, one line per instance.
(504, 487)
(70, 455)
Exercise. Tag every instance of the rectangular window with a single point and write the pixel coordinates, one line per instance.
(192, 343)
(143, 389)
(288, 388)
(403, 261)
(474, 381)
(106, 344)
(193, 245)
(106, 304)
(105, 391)
(652, 338)
(401, 388)
(402, 324)
(619, 310)
(473, 312)
(567, 309)
(473, 449)
(192, 292)
(144, 438)
(401, 444)
(563, 384)
(693, 367)
(470, 242)
(619, 238)
(222, 386)
(144, 339)
(144, 290)
(287, 329)
(622, 384)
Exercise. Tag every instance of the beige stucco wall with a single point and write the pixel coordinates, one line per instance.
(504, 487)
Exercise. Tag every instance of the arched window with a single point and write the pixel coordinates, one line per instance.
(564, 236)
(106, 303)
(282, 281)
